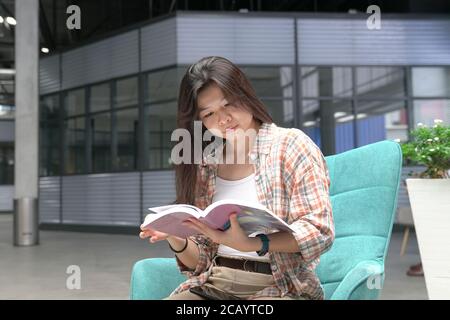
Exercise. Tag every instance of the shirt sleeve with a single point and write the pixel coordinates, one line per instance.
(207, 249)
(310, 205)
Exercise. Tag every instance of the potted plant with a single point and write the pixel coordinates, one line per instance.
(429, 195)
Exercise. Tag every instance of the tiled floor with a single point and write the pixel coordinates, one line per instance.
(105, 261)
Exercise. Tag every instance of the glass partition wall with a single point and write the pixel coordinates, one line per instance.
(125, 124)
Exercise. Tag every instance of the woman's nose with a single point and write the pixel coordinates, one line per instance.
(224, 118)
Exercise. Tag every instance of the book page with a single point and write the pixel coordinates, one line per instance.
(252, 217)
(164, 208)
(170, 220)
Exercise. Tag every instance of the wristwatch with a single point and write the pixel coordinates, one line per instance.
(265, 244)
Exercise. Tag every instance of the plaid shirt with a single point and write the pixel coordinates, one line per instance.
(292, 181)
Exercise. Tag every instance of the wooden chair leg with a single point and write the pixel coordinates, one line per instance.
(405, 241)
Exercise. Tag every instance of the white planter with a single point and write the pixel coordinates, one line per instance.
(430, 205)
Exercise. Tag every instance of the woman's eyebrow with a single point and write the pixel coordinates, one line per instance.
(222, 102)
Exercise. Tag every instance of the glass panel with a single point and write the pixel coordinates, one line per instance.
(270, 81)
(311, 120)
(426, 111)
(75, 145)
(6, 164)
(431, 82)
(49, 108)
(282, 112)
(164, 85)
(161, 123)
(100, 97)
(380, 81)
(126, 92)
(127, 139)
(326, 81)
(101, 142)
(7, 112)
(49, 137)
(330, 124)
(381, 120)
(75, 102)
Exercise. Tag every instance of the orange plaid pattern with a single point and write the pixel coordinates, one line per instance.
(292, 181)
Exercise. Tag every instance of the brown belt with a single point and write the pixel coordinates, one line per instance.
(246, 265)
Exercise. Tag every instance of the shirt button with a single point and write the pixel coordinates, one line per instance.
(256, 177)
(274, 268)
(252, 156)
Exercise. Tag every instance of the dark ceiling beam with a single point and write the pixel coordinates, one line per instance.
(172, 5)
(45, 28)
(5, 8)
(9, 13)
(98, 26)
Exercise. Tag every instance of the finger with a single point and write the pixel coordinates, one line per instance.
(154, 239)
(234, 221)
(144, 234)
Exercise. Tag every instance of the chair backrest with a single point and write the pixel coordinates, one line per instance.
(364, 188)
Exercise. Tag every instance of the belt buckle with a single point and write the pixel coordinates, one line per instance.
(245, 263)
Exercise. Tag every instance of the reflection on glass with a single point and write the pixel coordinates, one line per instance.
(380, 81)
(381, 120)
(7, 112)
(126, 92)
(430, 82)
(276, 82)
(330, 124)
(100, 97)
(282, 112)
(49, 136)
(74, 102)
(326, 81)
(127, 139)
(101, 142)
(163, 85)
(161, 121)
(75, 145)
(426, 111)
(6, 164)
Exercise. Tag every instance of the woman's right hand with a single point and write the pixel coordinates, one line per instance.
(154, 235)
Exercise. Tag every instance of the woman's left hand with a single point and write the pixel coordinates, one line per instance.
(234, 237)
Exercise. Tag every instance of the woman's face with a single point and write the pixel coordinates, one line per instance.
(221, 115)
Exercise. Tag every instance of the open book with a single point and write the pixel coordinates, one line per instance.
(252, 217)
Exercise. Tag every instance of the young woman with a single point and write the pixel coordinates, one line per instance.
(283, 170)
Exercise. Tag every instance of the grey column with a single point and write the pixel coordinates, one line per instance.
(27, 122)
(326, 111)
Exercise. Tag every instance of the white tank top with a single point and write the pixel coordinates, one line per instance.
(243, 189)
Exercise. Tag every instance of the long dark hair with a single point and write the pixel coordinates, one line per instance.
(235, 86)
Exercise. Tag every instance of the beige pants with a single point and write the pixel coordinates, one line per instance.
(237, 282)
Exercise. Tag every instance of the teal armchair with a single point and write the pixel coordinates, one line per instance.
(364, 187)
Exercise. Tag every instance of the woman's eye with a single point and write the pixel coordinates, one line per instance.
(207, 115)
(226, 105)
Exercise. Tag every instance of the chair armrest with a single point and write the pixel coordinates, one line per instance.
(153, 279)
(363, 282)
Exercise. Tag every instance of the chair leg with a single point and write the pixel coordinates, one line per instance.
(405, 241)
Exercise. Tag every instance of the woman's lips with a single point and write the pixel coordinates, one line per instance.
(231, 129)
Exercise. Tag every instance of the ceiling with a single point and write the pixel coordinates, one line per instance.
(101, 17)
